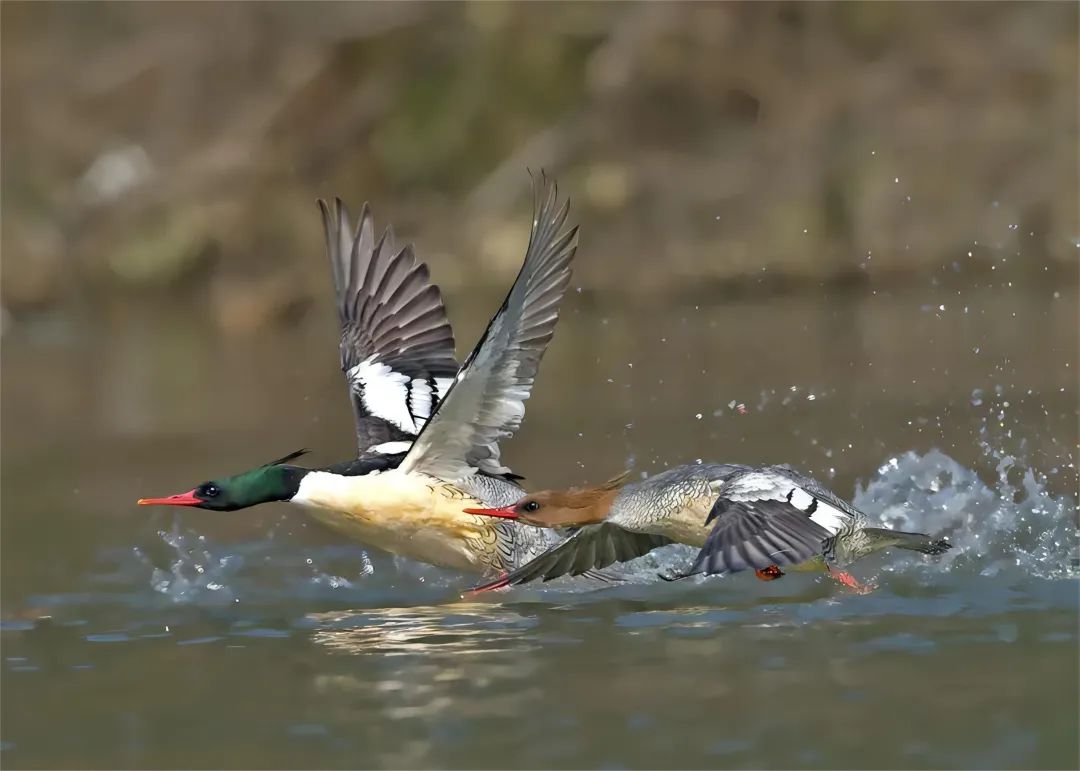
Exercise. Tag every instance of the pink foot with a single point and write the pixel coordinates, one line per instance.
(851, 582)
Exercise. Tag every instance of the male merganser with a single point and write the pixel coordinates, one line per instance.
(740, 517)
(428, 438)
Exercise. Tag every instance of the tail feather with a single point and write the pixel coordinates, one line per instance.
(920, 542)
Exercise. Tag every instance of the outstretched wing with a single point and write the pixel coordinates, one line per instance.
(590, 548)
(397, 347)
(486, 402)
(766, 517)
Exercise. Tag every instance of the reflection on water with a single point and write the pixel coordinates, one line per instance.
(442, 630)
(257, 639)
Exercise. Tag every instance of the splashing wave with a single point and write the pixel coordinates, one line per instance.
(1002, 527)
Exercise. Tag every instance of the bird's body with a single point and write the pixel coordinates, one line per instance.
(427, 431)
(739, 517)
(673, 504)
(421, 517)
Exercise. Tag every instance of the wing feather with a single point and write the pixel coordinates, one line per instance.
(486, 402)
(756, 532)
(394, 332)
(591, 547)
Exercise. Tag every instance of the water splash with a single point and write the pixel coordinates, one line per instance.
(194, 571)
(998, 527)
(1003, 517)
(1013, 523)
(182, 566)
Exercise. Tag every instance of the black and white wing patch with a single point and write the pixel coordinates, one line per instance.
(763, 518)
(397, 347)
(486, 403)
(589, 548)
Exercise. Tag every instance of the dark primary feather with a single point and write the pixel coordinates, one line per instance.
(486, 403)
(390, 313)
(590, 548)
(757, 534)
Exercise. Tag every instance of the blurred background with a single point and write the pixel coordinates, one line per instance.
(161, 164)
(154, 149)
(838, 235)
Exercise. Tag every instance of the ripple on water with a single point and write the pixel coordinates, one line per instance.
(111, 637)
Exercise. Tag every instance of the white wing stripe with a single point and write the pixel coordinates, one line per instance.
(420, 400)
(765, 486)
(801, 499)
(758, 486)
(384, 392)
(829, 517)
(442, 385)
(392, 396)
(391, 448)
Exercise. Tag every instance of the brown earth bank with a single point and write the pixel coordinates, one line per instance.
(158, 150)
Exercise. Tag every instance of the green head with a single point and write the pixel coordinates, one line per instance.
(276, 481)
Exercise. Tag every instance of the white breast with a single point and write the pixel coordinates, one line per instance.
(413, 515)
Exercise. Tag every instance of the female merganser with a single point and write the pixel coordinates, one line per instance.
(428, 438)
(740, 517)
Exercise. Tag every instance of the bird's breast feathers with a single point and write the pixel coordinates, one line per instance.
(410, 514)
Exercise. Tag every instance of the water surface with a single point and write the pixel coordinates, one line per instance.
(151, 638)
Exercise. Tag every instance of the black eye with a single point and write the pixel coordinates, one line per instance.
(531, 506)
(209, 491)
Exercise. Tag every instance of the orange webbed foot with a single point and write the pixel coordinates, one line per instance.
(851, 582)
(770, 573)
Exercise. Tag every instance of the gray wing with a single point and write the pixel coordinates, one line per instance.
(397, 347)
(769, 516)
(590, 548)
(486, 402)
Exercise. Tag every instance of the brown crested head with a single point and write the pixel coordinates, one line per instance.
(572, 507)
